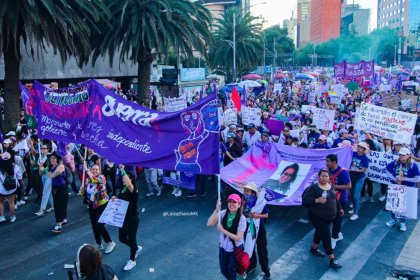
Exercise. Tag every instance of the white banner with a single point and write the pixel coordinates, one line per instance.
(230, 116)
(254, 224)
(251, 115)
(377, 164)
(175, 104)
(386, 123)
(324, 119)
(114, 213)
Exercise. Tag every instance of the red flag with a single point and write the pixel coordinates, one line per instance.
(236, 99)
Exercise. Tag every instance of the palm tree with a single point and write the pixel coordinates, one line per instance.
(249, 43)
(64, 25)
(142, 29)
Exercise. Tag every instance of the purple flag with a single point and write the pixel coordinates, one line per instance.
(127, 133)
(274, 126)
(284, 171)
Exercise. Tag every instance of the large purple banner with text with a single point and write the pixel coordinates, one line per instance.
(125, 132)
(284, 171)
(354, 70)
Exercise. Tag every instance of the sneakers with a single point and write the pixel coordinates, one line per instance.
(110, 247)
(13, 219)
(351, 205)
(65, 222)
(57, 229)
(354, 217)
(139, 249)
(340, 236)
(403, 227)
(130, 264)
(100, 247)
(333, 242)
(49, 210)
(382, 198)
(150, 194)
(192, 195)
(40, 213)
(371, 199)
(362, 199)
(335, 264)
(392, 222)
(178, 193)
(317, 252)
(159, 191)
(25, 197)
(174, 191)
(20, 203)
(350, 211)
(2, 219)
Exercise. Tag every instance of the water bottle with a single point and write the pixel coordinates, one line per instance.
(324, 194)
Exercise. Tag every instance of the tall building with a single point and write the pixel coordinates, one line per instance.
(303, 22)
(354, 20)
(394, 14)
(325, 20)
(414, 24)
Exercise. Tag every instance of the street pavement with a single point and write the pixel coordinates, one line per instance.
(177, 244)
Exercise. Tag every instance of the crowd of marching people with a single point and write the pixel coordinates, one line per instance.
(52, 171)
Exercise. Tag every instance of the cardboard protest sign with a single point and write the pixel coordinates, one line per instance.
(230, 116)
(175, 104)
(251, 115)
(411, 204)
(396, 200)
(408, 101)
(390, 101)
(114, 213)
(377, 164)
(386, 123)
(324, 119)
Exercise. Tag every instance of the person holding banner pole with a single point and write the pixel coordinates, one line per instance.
(402, 171)
(127, 234)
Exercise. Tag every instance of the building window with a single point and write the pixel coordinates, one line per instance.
(402, 18)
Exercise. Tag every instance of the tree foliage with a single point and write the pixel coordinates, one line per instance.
(278, 45)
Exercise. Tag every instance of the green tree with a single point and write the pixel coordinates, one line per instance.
(65, 25)
(143, 29)
(249, 44)
(277, 44)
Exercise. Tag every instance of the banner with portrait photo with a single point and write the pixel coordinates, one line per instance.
(284, 171)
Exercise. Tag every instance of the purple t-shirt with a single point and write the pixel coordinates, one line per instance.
(224, 241)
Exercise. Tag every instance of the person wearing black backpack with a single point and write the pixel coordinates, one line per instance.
(9, 175)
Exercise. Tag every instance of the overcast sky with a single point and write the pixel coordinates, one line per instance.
(275, 11)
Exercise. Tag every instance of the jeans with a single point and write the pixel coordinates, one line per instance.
(46, 193)
(356, 193)
(369, 185)
(99, 229)
(401, 220)
(227, 262)
(151, 179)
(127, 235)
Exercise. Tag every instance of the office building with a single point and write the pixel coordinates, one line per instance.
(354, 20)
(394, 14)
(324, 20)
(303, 23)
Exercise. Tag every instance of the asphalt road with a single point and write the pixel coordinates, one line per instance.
(177, 244)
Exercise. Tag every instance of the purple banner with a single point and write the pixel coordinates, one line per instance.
(353, 70)
(284, 171)
(274, 126)
(127, 133)
(188, 181)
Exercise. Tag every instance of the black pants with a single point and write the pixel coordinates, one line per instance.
(112, 173)
(384, 189)
(127, 235)
(99, 229)
(322, 232)
(201, 182)
(60, 199)
(262, 251)
(336, 229)
(35, 182)
(369, 185)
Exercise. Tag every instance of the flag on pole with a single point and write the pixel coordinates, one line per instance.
(236, 99)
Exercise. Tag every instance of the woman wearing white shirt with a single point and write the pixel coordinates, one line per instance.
(8, 168)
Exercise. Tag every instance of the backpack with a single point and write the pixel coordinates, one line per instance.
(9, 182)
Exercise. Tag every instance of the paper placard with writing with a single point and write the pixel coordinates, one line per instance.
(377, 164)
(386, 123)
(412, 204)
(230, 116)
(175, 104)
(251, 115)
(220, 116)
(324, 119)
(396, 200)
(114, 213)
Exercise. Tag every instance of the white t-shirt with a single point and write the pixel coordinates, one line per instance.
(224, 241)
(18, 176)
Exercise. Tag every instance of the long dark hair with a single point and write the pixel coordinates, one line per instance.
(90, 260)
(7, 167)
(295, 168)
(234, 228)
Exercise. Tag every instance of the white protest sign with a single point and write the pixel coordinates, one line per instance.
(230, 116)
(335, 97)
(295, 133)
(310, 108)
(377, 164)
(220, 116)
(386, 123)
(251, 115)
(340, 89)
(383, 87)
(324, 119)
(396, 200)
(114, 213)
(175, 104)
(277, 88)
(412, 203)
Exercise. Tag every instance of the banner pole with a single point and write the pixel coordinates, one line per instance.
(39, 151)
(84, 172)
(218, 198)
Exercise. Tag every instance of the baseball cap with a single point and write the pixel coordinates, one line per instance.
(342, 131)
(231, 135)
(235, 198)
(404, 152)
(232, 126)
(251, 125)
(7, 141)
(345, 143)
(11, 133)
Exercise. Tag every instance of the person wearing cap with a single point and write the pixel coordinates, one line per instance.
(402, 171)
(232, 228)
(233, 150)
(343, 135)
(249, 200)
(57, 173)
(312, 137)
(284, 134)
(322, 143)
(252, 136)
(358, 168)
(397, 147)
(229, 129)
(8, 169)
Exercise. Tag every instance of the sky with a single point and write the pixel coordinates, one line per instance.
(275, 11)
